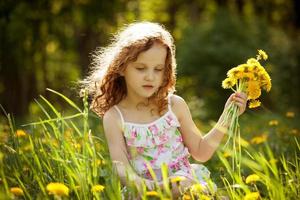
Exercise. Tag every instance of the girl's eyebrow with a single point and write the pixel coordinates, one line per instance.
(159, 65)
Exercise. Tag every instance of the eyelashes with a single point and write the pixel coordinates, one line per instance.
(143, 69)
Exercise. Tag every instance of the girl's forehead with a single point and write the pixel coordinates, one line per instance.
(157, 53)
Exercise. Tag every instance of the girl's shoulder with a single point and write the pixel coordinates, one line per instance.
(178, 105)
(176, 99)
(112, 118)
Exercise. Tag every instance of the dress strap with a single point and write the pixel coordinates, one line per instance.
(169, 102)
(120, 113)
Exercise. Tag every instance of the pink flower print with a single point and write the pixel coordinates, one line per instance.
(169, 119)
(130, 141)
(152, 162)
(154, 129)
(134, 134)
(145, 166)
(140, 150)
(174, 166)
(160, 149)
(148, 175)
(179, 139)
(163, 138)
(186, 163)
(153, 141)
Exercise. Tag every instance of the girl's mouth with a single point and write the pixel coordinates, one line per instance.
(148, 87)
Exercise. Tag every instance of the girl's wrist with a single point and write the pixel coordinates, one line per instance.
(222, 121)
(222, 124)
(220, 127)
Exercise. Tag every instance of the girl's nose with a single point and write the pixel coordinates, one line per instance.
(149, 75)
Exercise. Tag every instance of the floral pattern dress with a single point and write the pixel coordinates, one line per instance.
(160, 142)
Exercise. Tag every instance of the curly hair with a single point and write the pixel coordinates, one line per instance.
(105, 85)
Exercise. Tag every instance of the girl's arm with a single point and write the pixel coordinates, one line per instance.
(117, 148)
(202, 148)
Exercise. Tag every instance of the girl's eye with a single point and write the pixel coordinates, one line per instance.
(140, 68)
(159, 69)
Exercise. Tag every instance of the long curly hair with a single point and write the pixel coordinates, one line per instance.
(106, 87)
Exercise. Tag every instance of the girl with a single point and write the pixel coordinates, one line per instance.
(132, 86)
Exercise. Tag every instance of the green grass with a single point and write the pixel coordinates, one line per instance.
(71, 149)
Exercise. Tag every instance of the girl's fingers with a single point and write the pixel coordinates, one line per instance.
(239, 99)
(240, 105)
(241, 95)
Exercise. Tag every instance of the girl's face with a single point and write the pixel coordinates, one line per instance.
(144, 76)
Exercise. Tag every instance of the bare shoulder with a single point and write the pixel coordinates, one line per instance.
(178, 105)
(177, 101)
(112, 120)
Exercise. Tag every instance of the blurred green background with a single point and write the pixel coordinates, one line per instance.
(48, 44)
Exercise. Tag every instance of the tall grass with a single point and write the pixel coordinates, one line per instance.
(69, 150)
(59, 149)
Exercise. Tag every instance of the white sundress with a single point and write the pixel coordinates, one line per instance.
(161, 142)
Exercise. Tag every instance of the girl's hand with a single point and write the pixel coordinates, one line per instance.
(239, 99)
(180, 187)
(150, 184)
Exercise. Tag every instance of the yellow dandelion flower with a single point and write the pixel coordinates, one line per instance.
(243, 67)
(177, 179)
(248, 76)
(54, 142)
(290, 114)
(27, 147)
(77, 146)
(21, 133)
(252, 196)
(254, 103)
(262, 54)
(152, 193)
(265, 80)
(98, 162)
(237, 72)
(273, 122)
(186, 197)
(68, 134)
(197, 189)
(294, 131)
(253, 62)
(246, 68)
(243, 142)
(267, 86)
(226, 154)
(232, 71)
(97, 188)
(253, 89)
(273, 161)
(259, 139)
(204, 197)
(228, 82)
(252, 178)
(17, 191)
(58, 189)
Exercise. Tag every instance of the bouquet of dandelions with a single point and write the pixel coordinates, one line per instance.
(250, 78)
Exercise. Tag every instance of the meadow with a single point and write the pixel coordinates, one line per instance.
(63, 155)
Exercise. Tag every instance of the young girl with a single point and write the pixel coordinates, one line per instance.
(132, 86)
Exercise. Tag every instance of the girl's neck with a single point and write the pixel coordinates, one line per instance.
(132, 101)
(135, 104)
